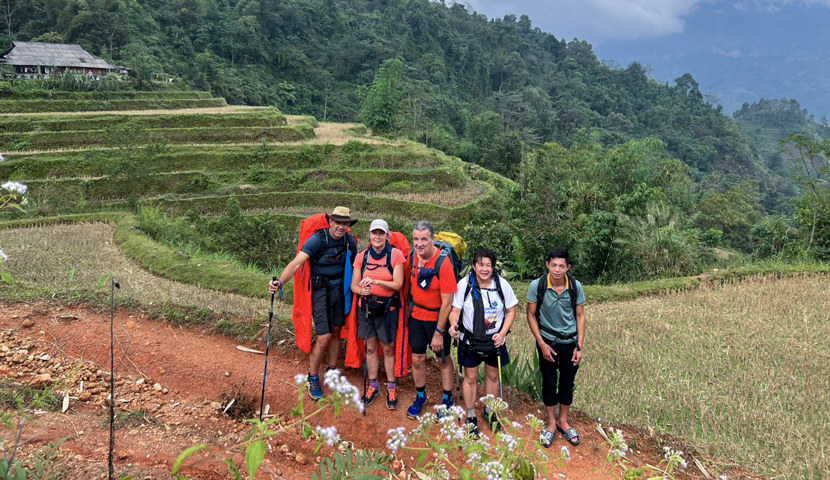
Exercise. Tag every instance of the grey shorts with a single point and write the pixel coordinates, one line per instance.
(320, 309)
(385, 326)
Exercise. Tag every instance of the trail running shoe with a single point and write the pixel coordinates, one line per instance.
(472, 426)
(448, 402)
(415, 409)
(370, 396)
(391, 399)
(492, 421)
(314, 390)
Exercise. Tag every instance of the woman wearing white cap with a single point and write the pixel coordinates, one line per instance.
(378, 277)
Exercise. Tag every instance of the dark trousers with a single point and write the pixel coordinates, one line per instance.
(558, 390)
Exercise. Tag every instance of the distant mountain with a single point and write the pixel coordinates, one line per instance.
(742, 56)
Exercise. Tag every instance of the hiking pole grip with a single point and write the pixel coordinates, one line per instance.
(282, 297)
(267, 348)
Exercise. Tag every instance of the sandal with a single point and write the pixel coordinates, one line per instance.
(546, 438)
(570, 435)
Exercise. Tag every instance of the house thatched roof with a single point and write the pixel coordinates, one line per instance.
(53, 55)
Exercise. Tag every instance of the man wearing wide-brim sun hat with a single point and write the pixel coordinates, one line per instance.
(330, 252)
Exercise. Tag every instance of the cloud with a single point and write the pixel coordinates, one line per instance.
(599, 21)
(730, 53)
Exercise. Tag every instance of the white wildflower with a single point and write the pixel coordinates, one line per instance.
(300, 378)
(15, 187)
(4, 256)
(329, 434)
(516, 425)
(397, 439)
(341, 386)
(493, 470)
(566, 453)
(509, 441)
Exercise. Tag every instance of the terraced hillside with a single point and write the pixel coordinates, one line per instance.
(188, 166)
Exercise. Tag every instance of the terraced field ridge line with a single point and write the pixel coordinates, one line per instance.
(203, 111)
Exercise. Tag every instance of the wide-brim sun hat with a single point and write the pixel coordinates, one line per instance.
(342, 215)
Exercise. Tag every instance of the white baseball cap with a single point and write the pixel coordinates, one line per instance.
(379, 224)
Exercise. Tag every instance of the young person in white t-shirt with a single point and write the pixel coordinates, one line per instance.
(483, 310)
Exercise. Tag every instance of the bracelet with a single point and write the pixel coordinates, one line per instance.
(439, 331)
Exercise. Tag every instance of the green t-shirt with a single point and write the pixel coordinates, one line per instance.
(556, 312)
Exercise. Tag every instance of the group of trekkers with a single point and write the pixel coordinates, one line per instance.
(410, 300)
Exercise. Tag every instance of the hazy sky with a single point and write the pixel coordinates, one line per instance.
(600, 21)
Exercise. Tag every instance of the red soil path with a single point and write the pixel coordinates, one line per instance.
(197, 371)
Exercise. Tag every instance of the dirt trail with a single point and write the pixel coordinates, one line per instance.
(196, 370)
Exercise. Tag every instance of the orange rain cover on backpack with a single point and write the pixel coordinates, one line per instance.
(355, 347)
(301, 315)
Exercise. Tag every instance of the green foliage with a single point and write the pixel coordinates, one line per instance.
(359, 464)
(733, 212)
(381, 103)
(774, 238)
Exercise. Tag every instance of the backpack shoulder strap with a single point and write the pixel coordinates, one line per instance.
(572, 292)
(324, 238)
(540, 291)
(499, 290)
(389, 251)
(365, 262)
(440, 261)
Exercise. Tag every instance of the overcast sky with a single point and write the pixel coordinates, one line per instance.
(600, 21)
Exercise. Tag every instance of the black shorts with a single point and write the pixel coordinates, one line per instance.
(467, 357)
(384, 326)
(420, 336)
(320, 309)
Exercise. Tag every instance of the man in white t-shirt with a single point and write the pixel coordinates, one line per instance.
(485, 304)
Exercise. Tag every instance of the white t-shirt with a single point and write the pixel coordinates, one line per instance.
(493, 307)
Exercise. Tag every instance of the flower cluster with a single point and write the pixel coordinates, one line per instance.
(673, 458)
(329, 434)
(14, 187)
(397, 439)
(618, 446)
(509, 441)
(300, 378)
(566, 454)
(493, 470)
(341, 386)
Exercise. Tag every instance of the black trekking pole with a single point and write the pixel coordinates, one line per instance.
(267, 347)
(365, 352)
(110, 458)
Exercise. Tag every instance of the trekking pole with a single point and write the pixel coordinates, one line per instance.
(267, 347)
(365, 351)
(501, 392)
(460, 367)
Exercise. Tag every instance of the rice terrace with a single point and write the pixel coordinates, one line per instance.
(141, 223)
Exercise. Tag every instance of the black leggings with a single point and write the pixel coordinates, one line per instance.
(564, 368)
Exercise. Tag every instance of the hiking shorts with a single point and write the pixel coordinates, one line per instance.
(320, 309)
(420, 336)
(467, 357)
(384, 326)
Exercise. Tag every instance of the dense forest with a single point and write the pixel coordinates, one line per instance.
(644, 178)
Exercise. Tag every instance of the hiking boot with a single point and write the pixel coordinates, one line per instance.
(492, 421)
(414, 410)
(370, 396)
(472, 426)
(448, 402)
(392, 399)
(314, 390)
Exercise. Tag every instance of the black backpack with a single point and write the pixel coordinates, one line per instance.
(541, 289)
(324, 235)
(446, 252)
(484, 346)
(388, 260)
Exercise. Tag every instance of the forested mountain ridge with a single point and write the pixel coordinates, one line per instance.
(476, 88)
